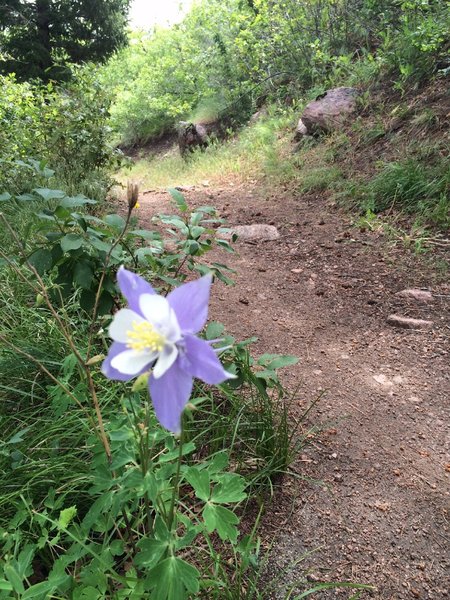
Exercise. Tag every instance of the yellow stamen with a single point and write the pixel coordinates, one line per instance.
(143, 337)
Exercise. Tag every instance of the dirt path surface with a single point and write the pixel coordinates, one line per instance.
(323, 291)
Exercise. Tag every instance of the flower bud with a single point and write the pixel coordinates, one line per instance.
(132, 194)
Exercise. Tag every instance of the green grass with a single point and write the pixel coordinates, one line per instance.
(414, 187)
(258, 151)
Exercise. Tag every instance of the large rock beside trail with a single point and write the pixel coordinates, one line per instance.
(328, 111)
(191, 136)
(252, 233)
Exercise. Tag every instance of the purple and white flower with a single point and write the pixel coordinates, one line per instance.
(158, 333)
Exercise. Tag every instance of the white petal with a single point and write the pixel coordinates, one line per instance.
(123, 322)
(131, 362)
(166, 359)
(159, 313)
(155, 308)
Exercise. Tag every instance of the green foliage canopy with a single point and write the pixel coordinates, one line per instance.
(39, 38)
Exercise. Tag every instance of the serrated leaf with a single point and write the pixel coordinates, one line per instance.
(179, 199)
(200, 482)
(71, 241)
(66, 516)
(24, 560)
(221, 519)
(41, 260)
(14, 578)
(229, 489)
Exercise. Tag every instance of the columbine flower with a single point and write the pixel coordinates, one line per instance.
(159, 333)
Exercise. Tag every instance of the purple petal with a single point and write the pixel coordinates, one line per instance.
(109, 371)
(190, 303)
(170, 394)
(201, 361)
(132, 287)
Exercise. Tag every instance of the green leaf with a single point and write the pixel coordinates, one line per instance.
(24, 559)
(105, 303)
(71, 241)
(229, 489)
(18, 437)
(173, 454)
(115, 221)
(197, 231)
(5, 585)
(222, 520)
(14, 578)
(214, 330)
(76, 201)
(144, 233)
(200, 482)
(173, 579)
(179, 199)
(48, 194)
(62, 213)
(66, 516)
(277, 361)
(41, 260)
(151, 551)
(41, 591)
(5, 197)
(99, 244)
(83, 275)
(87, 300)
(26, 198)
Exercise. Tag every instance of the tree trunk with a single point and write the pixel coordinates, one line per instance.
(43, 34)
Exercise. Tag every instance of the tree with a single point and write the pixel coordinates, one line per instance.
(39, 38)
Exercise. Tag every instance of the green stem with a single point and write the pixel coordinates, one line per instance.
(176, 482)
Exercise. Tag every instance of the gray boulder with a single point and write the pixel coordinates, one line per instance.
(328, 111)
(191, 136)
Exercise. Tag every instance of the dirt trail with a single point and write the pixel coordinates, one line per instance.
(323, 291)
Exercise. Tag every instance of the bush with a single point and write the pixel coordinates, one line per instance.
(64, 127)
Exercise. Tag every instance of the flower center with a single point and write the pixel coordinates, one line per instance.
(144, 337)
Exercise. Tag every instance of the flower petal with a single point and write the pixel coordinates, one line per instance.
(201, 361)
(132, 286)
(165, 360)
(109, 371)
(132, 362)
(190, 303)
(159, 313)
(122, 322)
(170, 394)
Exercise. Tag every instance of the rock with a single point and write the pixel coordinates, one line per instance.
(408, 323)
(416, 294)
(329, 111)
(191, 136)
(301, 130)
(257, 231)
(258, 115)
(382, 380)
